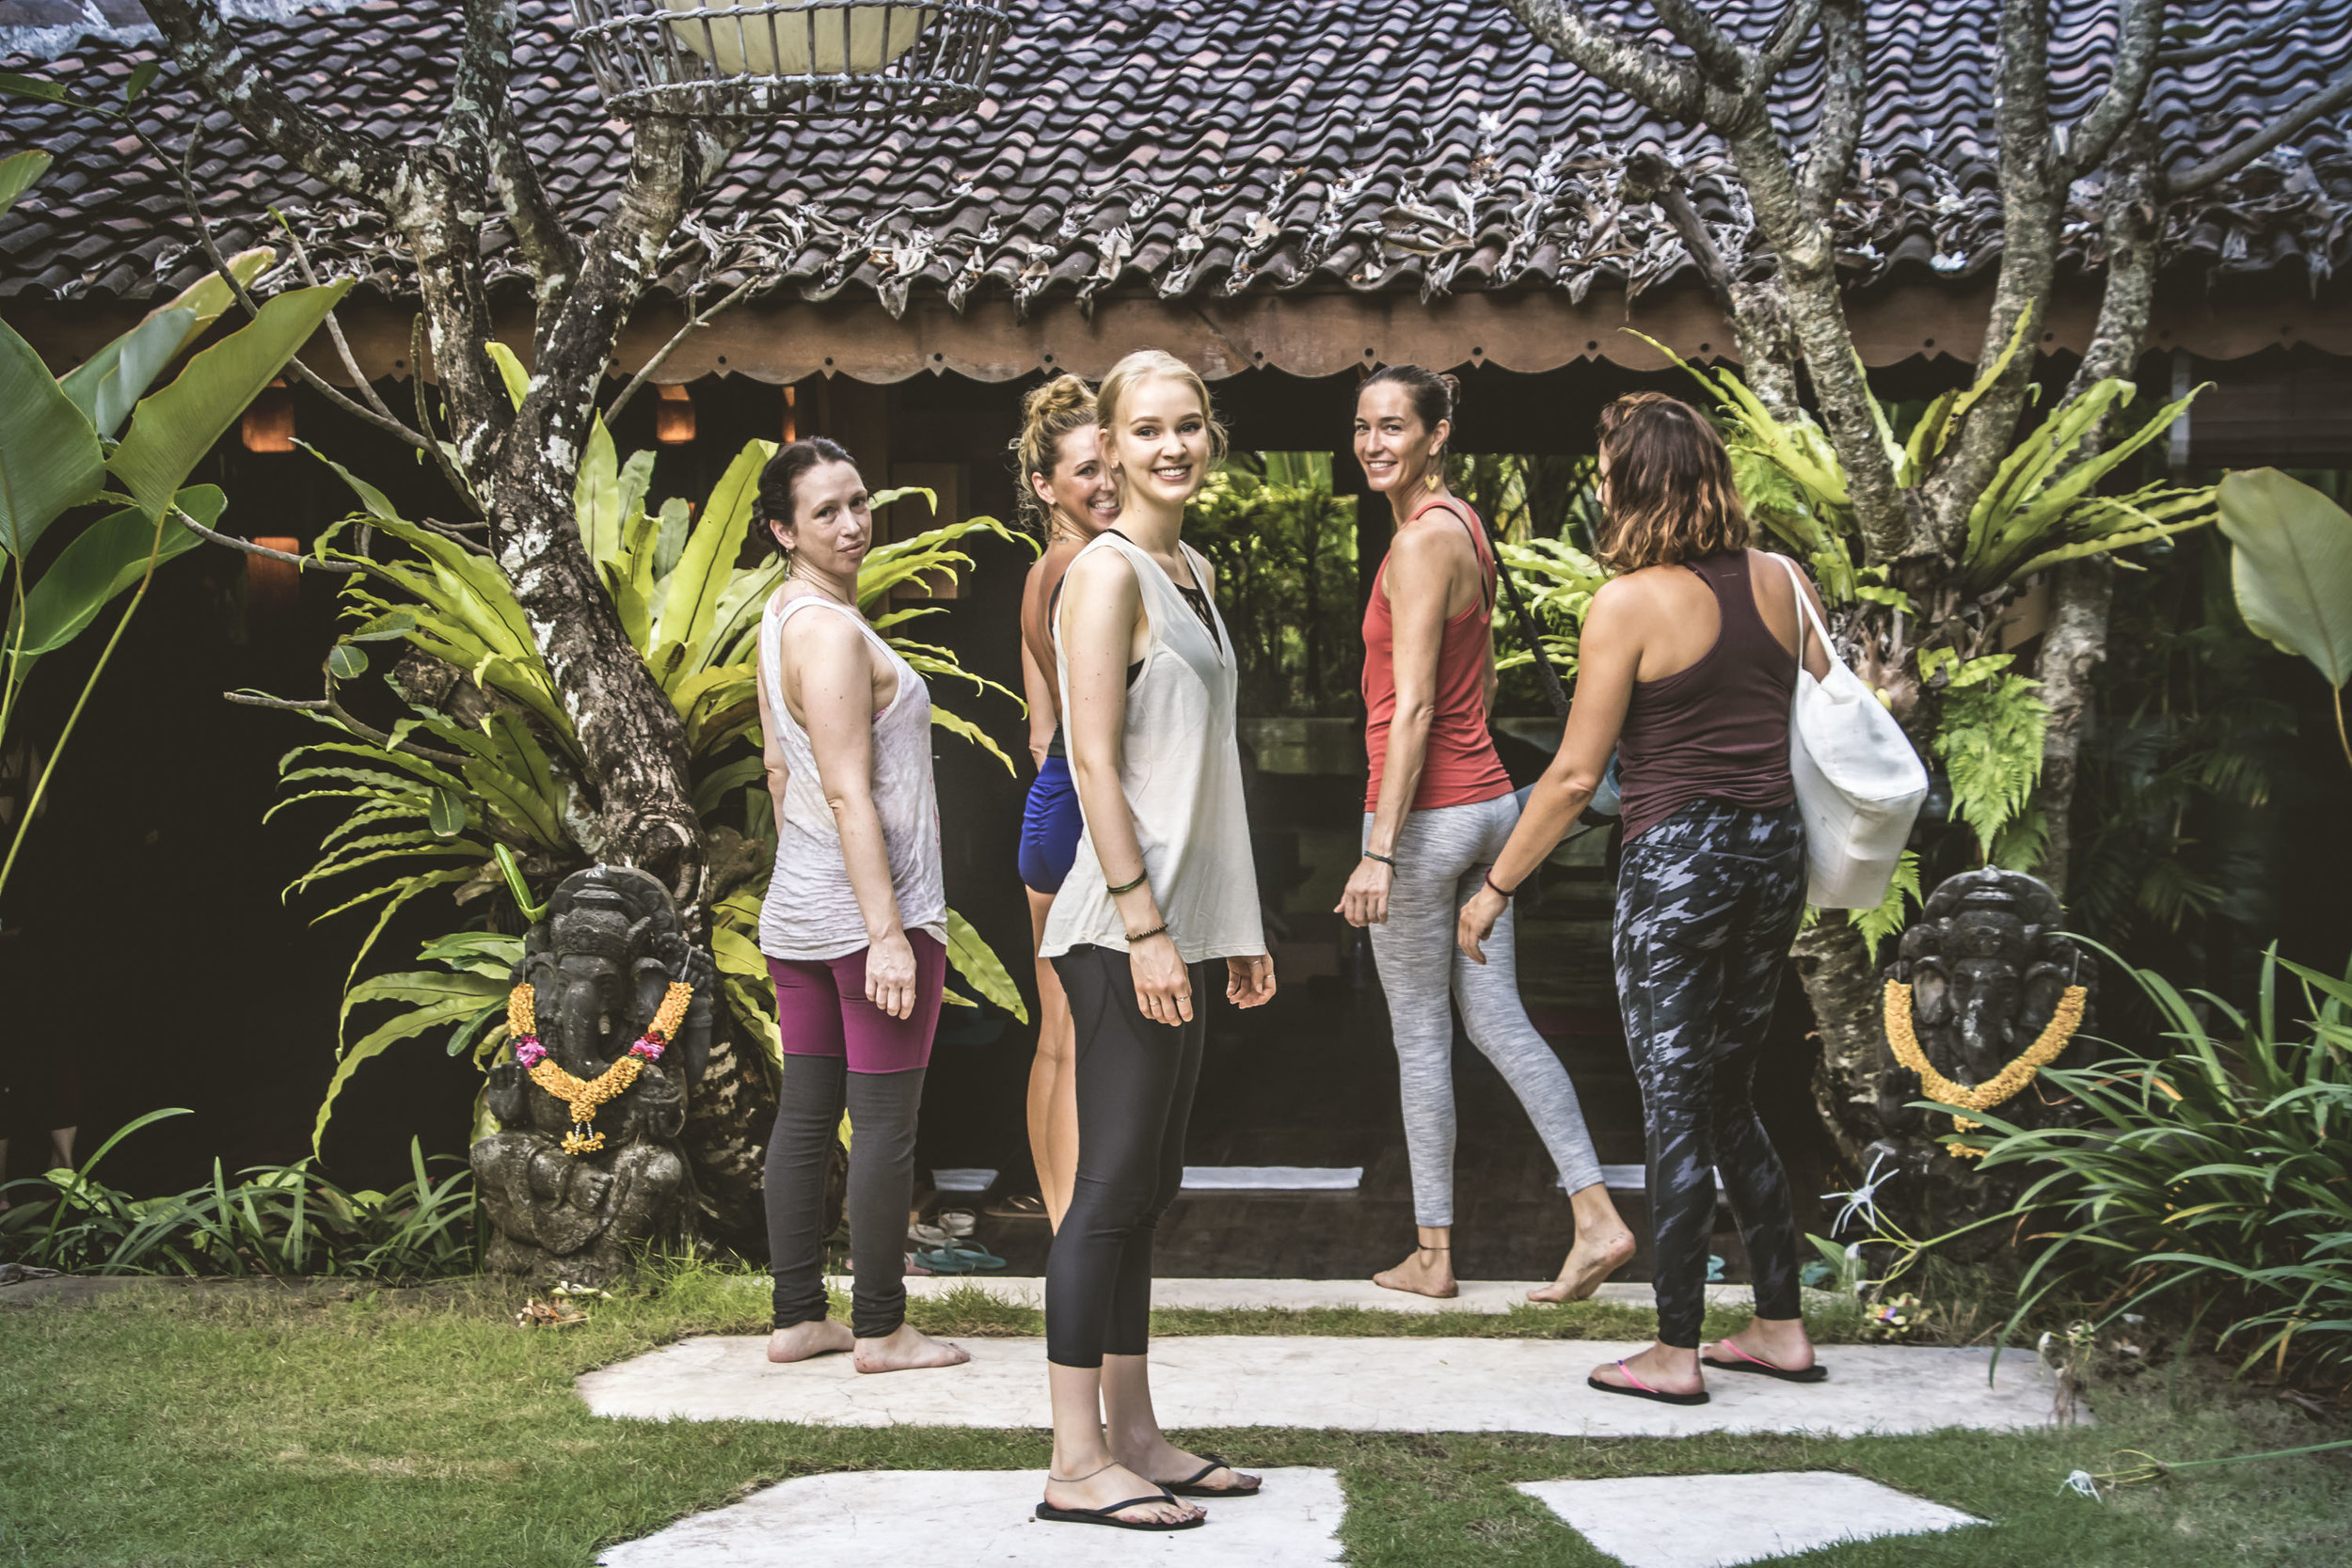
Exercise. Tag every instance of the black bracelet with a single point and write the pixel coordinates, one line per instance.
(1506, 894)
(1128, 887)
(1382, 859)
(1133, 937)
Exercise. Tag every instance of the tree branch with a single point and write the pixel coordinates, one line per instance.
(335, 330)
(2198, 54)
(301, 563)
(328, 705)
(1780, 47)
(1845, 90)
(2138, 28)
(1672, 88)
(1724, 62)
(694, 324)
(358, 165)
(456, 481)
(480, 109)
(2328, 100)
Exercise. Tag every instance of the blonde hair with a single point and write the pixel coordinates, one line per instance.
(1670, 496)
(1048, 413)
(1142, 365)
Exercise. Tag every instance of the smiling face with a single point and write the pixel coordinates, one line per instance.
(1162, 446)
(1081, 488)
(1392, 443)
(830, 527)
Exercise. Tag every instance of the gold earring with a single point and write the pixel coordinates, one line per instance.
(1433, 480)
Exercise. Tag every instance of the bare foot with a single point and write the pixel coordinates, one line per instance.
(1177, 1467)
(1429, 1272)
(1664, 1369)
(823, 1337)
(905, 1350)
(1780, 1343)
(1592, 1260)
(1116, 1484)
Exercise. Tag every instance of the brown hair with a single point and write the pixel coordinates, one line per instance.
(774, 501)
(1048, 413)
(1671, 496)
(1142, 365)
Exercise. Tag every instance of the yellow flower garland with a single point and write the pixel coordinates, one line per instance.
(1995, 1090)
(585, 1095)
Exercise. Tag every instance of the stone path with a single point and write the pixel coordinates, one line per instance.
(1721, 1521)
(1478, 1295)
(1434, 1384)
(905, 1518)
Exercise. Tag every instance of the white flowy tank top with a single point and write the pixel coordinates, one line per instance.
(810, 912)
(1180, 771)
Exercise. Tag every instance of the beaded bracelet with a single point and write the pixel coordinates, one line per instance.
(1382, 859)
(1128, 887)
(1133, 937)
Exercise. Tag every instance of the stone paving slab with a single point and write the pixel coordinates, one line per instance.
(1478, 1295)
(905, 1518)
(1723, 1521)
(1434, 1384)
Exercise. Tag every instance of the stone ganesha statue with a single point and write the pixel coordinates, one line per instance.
(1993, 988)
(620, 1007)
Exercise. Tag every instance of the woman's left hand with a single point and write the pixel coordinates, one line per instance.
(1366, 901)
(1477, 923)
(1249, 982)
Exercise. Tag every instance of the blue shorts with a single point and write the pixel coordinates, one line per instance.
(1050, 828)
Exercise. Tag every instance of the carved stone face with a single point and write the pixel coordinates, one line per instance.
(1987, 996)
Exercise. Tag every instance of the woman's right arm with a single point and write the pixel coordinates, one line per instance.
(1417, 580)
(1101, 609)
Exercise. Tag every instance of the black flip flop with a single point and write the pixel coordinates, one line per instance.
(1746, 1362)
(1638, 1392)
(1109, 1516)
(1190, 1486)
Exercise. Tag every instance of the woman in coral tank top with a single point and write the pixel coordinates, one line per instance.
(1437, 811)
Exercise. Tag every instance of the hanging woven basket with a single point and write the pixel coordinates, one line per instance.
(789, 59)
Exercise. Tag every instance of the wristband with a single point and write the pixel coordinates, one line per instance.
(1128, 887)
(1382, 859)
(1133, 937)
(1487, 877)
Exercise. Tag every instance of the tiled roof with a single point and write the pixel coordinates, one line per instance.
(1204, 147)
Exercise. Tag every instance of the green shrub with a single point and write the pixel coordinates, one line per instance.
(2215, 1177)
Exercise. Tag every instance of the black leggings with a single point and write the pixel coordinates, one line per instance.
(881, 1108)
(1135, 1082)
(1707, 902)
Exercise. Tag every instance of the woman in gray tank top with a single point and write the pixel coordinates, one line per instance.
(1162, 887)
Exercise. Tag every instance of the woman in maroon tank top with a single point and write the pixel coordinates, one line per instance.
(1686, 668)
(1438, 809)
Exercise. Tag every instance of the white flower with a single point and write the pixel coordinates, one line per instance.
(2081, 1484)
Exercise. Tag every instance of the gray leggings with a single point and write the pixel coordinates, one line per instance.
(1442, 857)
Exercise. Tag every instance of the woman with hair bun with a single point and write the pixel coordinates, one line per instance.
(1067, 495)
(1161, 890)
(1686, 668)
(855, 922)
(1438, 810)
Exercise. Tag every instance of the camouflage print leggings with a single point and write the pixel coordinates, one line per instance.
(1707, 902)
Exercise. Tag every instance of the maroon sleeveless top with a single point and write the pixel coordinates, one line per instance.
(1718, 730)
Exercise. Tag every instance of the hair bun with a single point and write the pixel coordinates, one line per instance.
(1452, 385)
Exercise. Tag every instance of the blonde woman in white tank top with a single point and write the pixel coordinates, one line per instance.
(853, 925)
(1162, 888)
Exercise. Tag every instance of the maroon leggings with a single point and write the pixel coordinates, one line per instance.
(821, 1009)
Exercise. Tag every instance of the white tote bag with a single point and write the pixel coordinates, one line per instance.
(1859, 782)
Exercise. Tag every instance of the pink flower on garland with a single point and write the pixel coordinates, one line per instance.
(649, 1048)
(529, 1051)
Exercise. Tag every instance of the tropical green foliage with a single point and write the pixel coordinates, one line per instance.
(62, 440)
(1283, 547)
(2291, 568)
(281, 1220)
(1990, 743)
(2209, 1175)
(435, 797)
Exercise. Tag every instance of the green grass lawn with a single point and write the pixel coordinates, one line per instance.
(328, 1425)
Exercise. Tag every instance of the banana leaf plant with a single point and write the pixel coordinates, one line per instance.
(2290, 569)
(97, 436)
(488, 761)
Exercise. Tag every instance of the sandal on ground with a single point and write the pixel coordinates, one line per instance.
(1109, 1516)
(1640, 1390)
(1190, 1486)
(958, 1223)
(1022, 1206)
(1814, 1373)
(956, 1259)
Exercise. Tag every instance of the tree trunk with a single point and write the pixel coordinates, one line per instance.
(2072, 648)
(1845, 990)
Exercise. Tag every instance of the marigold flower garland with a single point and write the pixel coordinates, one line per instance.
(1995, 1090)
(585, 1095)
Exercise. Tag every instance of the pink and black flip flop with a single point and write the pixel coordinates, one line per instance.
(1644, 1391)
(1814, 1373)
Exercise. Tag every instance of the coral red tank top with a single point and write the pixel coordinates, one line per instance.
(1460, 767)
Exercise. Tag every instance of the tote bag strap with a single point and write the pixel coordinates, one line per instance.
(1808, 620)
